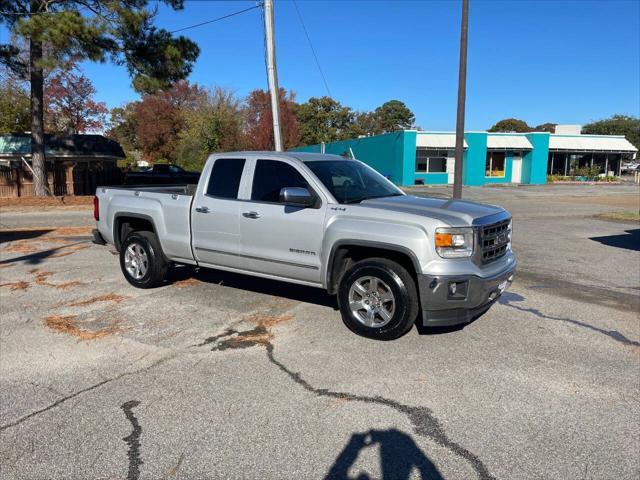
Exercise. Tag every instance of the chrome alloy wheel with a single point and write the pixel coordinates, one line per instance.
(371, 301)
(136, 261)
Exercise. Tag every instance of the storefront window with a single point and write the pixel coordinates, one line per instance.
(494, 166)
(431, 161)
(572, 163)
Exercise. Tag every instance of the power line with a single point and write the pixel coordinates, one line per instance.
(324, 79)
(218, 19)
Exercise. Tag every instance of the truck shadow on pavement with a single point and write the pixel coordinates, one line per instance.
(22, 234)
(38, 257)
(399, 457)
(264, 286)
(629, 240)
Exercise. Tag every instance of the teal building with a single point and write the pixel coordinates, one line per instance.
(411, 157)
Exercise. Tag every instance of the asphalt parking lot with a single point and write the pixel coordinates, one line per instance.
(223, 376)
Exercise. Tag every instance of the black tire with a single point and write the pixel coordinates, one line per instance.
(401, 284)
(157, 264)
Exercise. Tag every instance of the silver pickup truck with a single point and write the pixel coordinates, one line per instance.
(322, 221)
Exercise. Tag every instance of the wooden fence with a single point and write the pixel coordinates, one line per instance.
(65, 178)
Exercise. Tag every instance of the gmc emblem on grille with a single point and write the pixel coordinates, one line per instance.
(501, 238)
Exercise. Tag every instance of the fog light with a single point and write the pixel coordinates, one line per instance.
(458, 290)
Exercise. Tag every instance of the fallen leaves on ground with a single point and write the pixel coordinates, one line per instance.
(109, 297)
(21, 246)
(268, 321)
(262, 337)
(67, 324)
(46, 201)
(337, 402)
(187, 282)
(21, 285)
(31, 240)
(42, 279)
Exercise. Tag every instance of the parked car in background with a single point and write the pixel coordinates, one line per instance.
(322, 221)
(162, 174)
(630, 167)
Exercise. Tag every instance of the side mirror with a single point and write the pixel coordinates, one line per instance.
(296, 196)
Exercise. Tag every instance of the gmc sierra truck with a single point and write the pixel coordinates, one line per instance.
(323, 221)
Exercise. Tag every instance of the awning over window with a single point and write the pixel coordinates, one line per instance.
(591, 143)
(508, 142)
(437, 141)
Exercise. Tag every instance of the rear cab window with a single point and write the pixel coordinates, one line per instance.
(224, 181)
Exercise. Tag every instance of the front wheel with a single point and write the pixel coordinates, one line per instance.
(378, 299)
(142, 261)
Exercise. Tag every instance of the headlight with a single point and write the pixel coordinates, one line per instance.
(454, 242)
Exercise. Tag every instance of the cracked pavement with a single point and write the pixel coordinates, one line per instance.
(217, 375)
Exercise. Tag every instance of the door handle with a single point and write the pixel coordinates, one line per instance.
(251, 214)
(202, 209)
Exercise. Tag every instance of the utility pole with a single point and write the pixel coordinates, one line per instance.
(272, 74)
(462, 93)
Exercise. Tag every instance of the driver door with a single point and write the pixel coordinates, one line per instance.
(278, 239)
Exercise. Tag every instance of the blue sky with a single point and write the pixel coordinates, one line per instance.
(557, 61)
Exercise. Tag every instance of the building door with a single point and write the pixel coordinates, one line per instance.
(451, 166)
(516, 169)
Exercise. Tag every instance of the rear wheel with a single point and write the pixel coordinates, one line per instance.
(142, 261)
(378, 299)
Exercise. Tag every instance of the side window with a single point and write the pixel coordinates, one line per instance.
(226, 174)
(271, 176)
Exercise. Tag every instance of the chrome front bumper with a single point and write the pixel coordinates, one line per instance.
(456, 299)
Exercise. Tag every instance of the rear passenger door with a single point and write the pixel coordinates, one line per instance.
(214, 218)
(278, 239)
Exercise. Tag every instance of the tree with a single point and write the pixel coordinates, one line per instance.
(122, 129)
(119, 30)
(618, 124)
(365, 124)
(159, 119)
(14, 106)
(394, 115)
(259, 120)
(545, 127)
(511, 125)
(213, 125)
(323, 120)
(69, 104)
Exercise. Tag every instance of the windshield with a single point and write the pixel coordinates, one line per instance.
(351, 181)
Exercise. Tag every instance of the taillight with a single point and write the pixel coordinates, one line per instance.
(96, 209)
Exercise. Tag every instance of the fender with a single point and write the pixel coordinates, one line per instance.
(366, 233)
(367, 243)
(142, 216)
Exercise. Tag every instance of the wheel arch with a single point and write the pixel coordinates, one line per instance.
(124, 223)
(345, 252)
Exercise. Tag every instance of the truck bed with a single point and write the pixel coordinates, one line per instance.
(166, 207)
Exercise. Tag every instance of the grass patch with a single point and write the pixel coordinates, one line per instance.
(619, 216)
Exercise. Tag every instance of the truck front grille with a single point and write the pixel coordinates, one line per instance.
(494, 240)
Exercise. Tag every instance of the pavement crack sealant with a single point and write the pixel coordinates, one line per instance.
(508, 298)
(425, 424)
(133, 440)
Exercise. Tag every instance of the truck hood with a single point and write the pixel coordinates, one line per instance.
(456, 213)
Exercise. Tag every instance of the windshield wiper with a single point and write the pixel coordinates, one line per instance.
(360, 199)
(354, 200)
